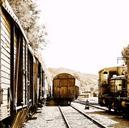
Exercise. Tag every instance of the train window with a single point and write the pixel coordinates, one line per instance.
(118, 84)
(105, 72)
(105, 76)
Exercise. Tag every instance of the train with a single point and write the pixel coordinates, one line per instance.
(65, 89)
(114, 89)
(22, 75)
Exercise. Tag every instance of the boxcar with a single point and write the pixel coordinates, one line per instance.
(21, 72)
(64, 89)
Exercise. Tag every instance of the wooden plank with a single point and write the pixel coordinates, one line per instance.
(4, 73)
(5, 105)
(5, 45)
(5, 68)
(4, 112)
(3, 84)
(5, 20)
(4, 37)
(5, 58)
(3, 79)
(5, 53)
(5, 29)
(5, 62)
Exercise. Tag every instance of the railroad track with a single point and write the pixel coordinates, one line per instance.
(75, 118)
(93, 105)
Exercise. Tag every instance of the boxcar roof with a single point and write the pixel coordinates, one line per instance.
(64, 75)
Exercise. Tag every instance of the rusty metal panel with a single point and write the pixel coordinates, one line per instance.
(56, 89)
(71, 92)
(63, 82)
(64, 86)
(64, 92)
(56, 92)
(56, 83)
(71, 82)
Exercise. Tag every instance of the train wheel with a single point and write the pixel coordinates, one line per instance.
(115, 110)
(69, 102)
(109, 107)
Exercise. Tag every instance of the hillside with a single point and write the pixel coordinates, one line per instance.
(88, 82)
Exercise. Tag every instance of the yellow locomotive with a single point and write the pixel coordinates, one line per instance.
(113, 89)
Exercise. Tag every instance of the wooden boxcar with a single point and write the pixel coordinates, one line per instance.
(21, 73)
(64, 89)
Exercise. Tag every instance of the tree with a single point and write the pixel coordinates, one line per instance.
(28, 15)
(125, 54)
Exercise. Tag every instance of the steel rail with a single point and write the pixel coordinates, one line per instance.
(93, 120)
(65, 119)
(81, 102)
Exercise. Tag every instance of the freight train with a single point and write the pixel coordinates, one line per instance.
(21, 72)
(65, 89)
(114, 89)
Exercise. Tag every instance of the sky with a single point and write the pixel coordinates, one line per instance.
(85, 35)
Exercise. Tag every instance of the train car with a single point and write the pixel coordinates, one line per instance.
(21, 73)
(38, 78)
(105, 76)
(118, 93)
(64, 89)
(76, 91)
(113, 89)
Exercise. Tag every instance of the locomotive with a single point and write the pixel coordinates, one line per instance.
(21, 72)
(113, 89)
(65, 89)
